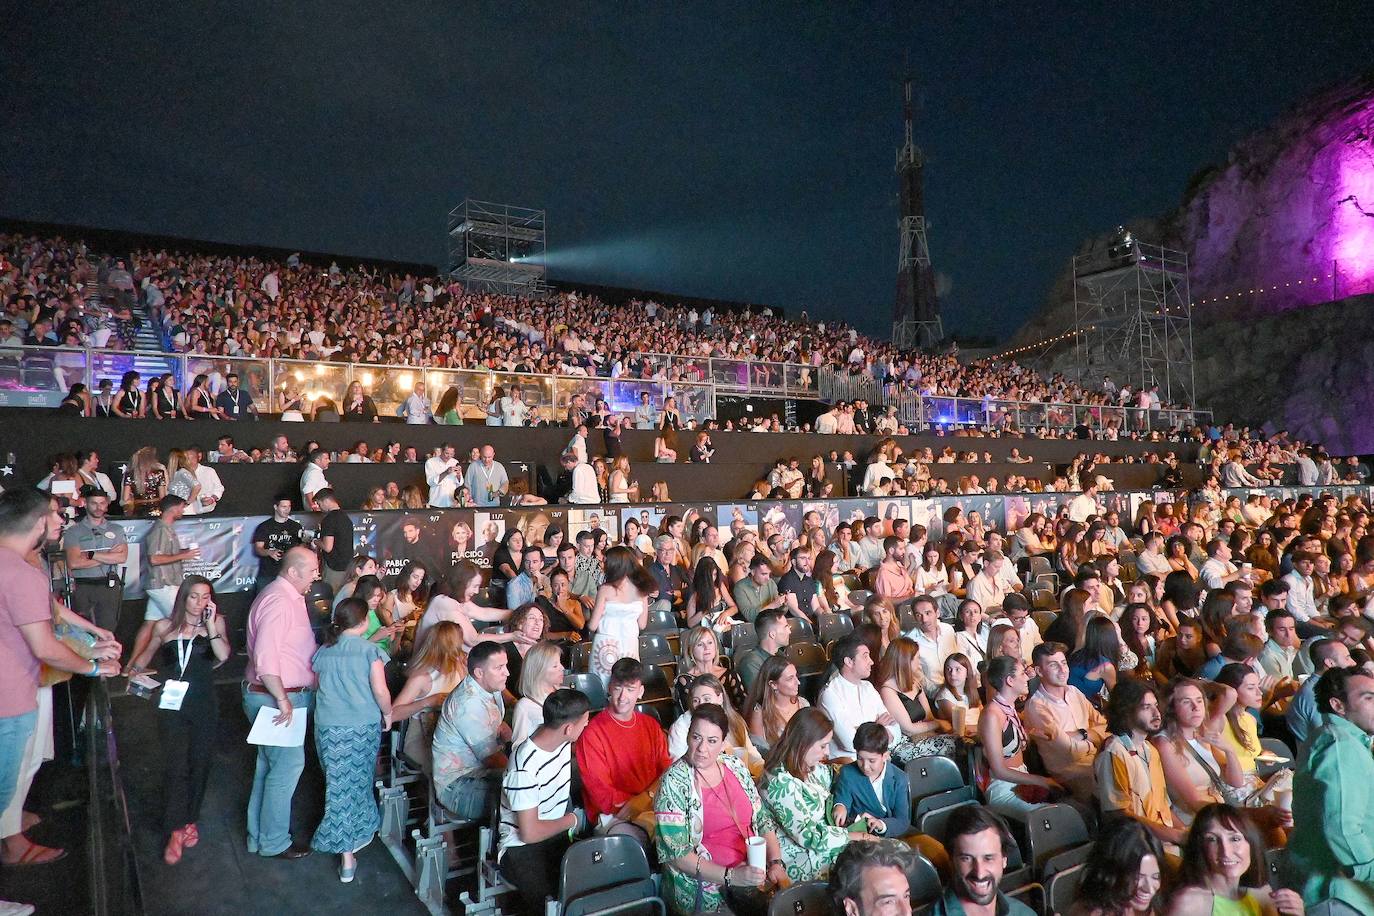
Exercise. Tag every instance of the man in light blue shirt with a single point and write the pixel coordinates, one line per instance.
(524, 588)
(646, 417)
(486, 479)
(1302, 715)
(471, 735)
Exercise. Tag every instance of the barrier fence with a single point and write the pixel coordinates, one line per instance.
(440, 538)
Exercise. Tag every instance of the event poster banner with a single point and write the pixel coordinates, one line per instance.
(440, 538)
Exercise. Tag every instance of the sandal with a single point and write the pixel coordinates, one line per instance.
(190, 835)
(29, 821)
(37, 855)
(172, 854)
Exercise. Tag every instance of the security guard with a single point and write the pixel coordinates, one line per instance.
(95, 550)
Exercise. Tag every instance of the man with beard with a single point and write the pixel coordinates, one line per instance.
(978, 842)
(1129, 771)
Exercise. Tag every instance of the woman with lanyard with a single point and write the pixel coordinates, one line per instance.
(128, 402)
(193, 644)
(708, 816)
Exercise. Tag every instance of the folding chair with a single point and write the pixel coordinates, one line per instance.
(1054, 829)
(859, 597)
(801, 629)
(591, 685)
(923, 882)
(662, 622)
(740, 638)
(935, 782)
(580, 657)
(1061, 890)
(834, 626)
(607, 874)
(809, 899)
(654, 649)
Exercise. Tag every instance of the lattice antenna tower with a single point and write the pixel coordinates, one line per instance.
(916, 310)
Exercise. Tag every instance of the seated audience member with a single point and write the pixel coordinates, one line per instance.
(1093, 667)
(469, 741)
(541, 673)
(701, 655)
(1066, 728)
(978, 843)
(903, 692)
(799, 589)
(671, 577)
(849, 699)
(870, 879)
(1279, 651)
(1129, 771)
(757, 591)
(989, 588)
(774, 634)
(960, 687)
(1332, 848)
(1303, 717)
(1122, 875)
(972, 631)
(891, 579)
(530, 581)
(705, 811)
(1197, 772)
(870, 789)
(1009, 787)
(1239, 646)
(708, 689)
(796, 787)
(935, 638)
(1182, 655)
(1018, 616)
(1224, 870)
(1301, 599)
(710, 603)
(773, 700)
(436, 667)
(537, 817)
(621, 756)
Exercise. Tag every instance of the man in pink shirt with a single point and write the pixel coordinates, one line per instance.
(280, 646)
(891, 581)
(27, 519)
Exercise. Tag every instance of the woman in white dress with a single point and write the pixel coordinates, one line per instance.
(621, 611)
(620, 484)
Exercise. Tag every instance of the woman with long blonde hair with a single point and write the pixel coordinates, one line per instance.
(439, 664)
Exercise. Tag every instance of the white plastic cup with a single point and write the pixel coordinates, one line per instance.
(960, 715)
(756, 852)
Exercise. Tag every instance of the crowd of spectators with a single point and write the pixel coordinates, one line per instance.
(61, 292)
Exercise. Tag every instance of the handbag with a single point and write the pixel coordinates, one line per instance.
(1232, 795)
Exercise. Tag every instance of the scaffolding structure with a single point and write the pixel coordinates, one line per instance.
(497, 248)
(916, 310)
(1133, 319)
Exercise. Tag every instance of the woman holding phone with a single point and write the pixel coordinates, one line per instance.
(192, 643)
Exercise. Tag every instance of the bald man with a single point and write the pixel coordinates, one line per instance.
(486, 479)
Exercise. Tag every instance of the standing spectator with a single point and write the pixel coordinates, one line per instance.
(352, 709)
(335, 540)
(88, 473)
(359, 407)
(416, 409)
(281, 644)
(312, 479)
(470, 739)
(28, 519)
(198, 403)
(188, 714)
(233, 402)
(210, 489)
(166, 559)
(274, 537)
(443, 475)
(514, 410)
(646, 417)
(621, 756)
(129, 401)
(486, 479)
(621, 611)
(95, 550)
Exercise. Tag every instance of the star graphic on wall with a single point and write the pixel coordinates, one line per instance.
(7, 471)
(122, 467)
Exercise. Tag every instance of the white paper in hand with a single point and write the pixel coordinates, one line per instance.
(265, 732)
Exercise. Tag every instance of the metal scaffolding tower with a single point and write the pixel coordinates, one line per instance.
(1133, 320)
(497, 248)
(916, 311)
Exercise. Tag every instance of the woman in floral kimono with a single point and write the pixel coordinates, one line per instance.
(797, 795)
(707, 810)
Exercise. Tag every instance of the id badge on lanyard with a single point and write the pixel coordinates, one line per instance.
(174, 691)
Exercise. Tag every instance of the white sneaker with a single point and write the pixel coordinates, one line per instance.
(10, 908)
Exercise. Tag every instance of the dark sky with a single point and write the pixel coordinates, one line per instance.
(733, 150)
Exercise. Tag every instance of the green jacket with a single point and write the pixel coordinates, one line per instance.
(1332, 847)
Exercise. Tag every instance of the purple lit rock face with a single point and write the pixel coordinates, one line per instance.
(1294, 202)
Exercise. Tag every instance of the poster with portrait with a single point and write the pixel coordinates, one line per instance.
(890, 510)
(783, 518)
(403, 538)
(538, 523)
(1016, 509)
(490, 528)
(731, 517)
(456, 535)
(649, 518)
(828, 515)
(924, 513)
(580, 520)
(856, 510)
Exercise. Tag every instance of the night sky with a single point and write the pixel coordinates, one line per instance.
(740, 151)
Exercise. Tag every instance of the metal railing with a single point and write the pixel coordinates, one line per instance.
(114, 885)
(916, 410)
(40, 377)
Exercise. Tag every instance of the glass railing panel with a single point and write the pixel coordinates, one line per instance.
(39, 376)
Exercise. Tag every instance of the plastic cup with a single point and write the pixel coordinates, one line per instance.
(756, 852)
(960, 716)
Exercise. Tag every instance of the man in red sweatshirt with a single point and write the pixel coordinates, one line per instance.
(621, 755)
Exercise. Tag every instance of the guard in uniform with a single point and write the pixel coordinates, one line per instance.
(96, 550)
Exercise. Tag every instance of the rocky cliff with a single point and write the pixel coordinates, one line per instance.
(1285, 225)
